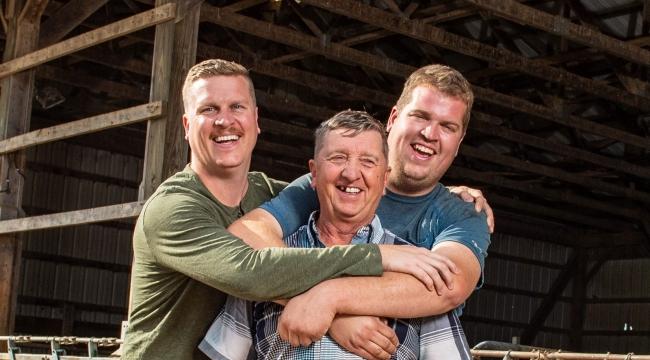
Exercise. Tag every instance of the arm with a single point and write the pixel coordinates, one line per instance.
(391, 295)
(186, 238)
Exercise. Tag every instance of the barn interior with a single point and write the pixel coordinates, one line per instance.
(559, 142)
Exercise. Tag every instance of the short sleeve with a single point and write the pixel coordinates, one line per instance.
(292, 206)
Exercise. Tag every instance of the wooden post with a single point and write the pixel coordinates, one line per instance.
(174, 53)
(22, 20)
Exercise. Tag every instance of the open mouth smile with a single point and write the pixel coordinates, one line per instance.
(349, 189)
(225, 139)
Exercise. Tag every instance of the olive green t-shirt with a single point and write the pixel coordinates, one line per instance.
(185, 262)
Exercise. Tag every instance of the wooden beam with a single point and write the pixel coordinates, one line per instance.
(484, 126)
(339, 87)
(71, 218)
(22, 20)
(545, 170)
(563, 27)
(119, 28)
(554, 293)
(551, 194)
(174, 54)
(92, 83)
(550, 114)
(66, 18)
(544, 211)
(349, 55)
(436, 36)
(82, 127)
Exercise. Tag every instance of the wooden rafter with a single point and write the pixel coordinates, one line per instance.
(346, 54)
(67, 17)
(94, 37)
(424, 32)
(563, 27)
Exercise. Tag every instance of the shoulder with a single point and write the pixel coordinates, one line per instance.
(451, 207)
(261, 181)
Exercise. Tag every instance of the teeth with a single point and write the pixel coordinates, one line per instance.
(226, 138)
(349, 189)
(423, 149)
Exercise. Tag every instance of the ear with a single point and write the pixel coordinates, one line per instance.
(391, 118)
(312, 170)
(257, 125)
(388, 169)
(460, 142)
(186, 125)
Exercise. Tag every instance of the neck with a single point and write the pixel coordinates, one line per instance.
(337, 233)
(228, 186)
(406, 188)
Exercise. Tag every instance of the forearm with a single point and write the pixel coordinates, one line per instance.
(400, 295)
(391, 295)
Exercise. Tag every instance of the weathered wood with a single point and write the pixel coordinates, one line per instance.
(563, 27)
(554, 293)
(92, 83)
(174, 54)
(71, 218)
(66, 18)
(556, 116)
(82, 127)
(22, 20)
(566, 216)
(563, 196)
(545, 170)
(349, 55)
(119, 28)
(436, 36)
(561, 149)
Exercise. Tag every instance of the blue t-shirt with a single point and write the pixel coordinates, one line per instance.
(423, 221)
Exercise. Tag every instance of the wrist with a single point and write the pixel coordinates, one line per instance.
(331, 295)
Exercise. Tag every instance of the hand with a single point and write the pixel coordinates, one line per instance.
(435, 271)
(475, 196)
(306, 317)
(366, 336)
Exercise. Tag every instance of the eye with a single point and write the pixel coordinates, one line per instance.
(208, 110)
(338, 159)
(368, 162)
(450, 127)
(237, 107)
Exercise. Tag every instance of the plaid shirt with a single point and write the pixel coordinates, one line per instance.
(242, 324)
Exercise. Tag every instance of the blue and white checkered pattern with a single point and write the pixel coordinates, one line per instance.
(246, 330)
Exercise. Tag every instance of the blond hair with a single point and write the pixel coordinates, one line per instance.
(215, 67)
(448, 81)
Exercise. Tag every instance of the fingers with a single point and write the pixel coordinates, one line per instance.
(490, 217)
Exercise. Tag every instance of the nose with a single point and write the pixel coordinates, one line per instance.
(431, 132)
(351, 170)
(223, 120)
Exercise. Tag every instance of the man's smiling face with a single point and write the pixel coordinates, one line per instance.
(423, 137)
(220, 124)
(349, 175)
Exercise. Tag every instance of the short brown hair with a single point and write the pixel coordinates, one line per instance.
(443, 78)
(215, 67)
(354, 122)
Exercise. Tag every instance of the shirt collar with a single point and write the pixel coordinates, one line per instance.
(372, 233)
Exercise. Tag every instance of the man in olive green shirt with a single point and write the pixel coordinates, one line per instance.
(185, 261)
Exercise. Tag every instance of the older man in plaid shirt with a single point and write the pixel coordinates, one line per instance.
(349, 172)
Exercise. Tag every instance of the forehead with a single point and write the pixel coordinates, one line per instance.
(431, 100)
(221, 86)
(367, 142)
